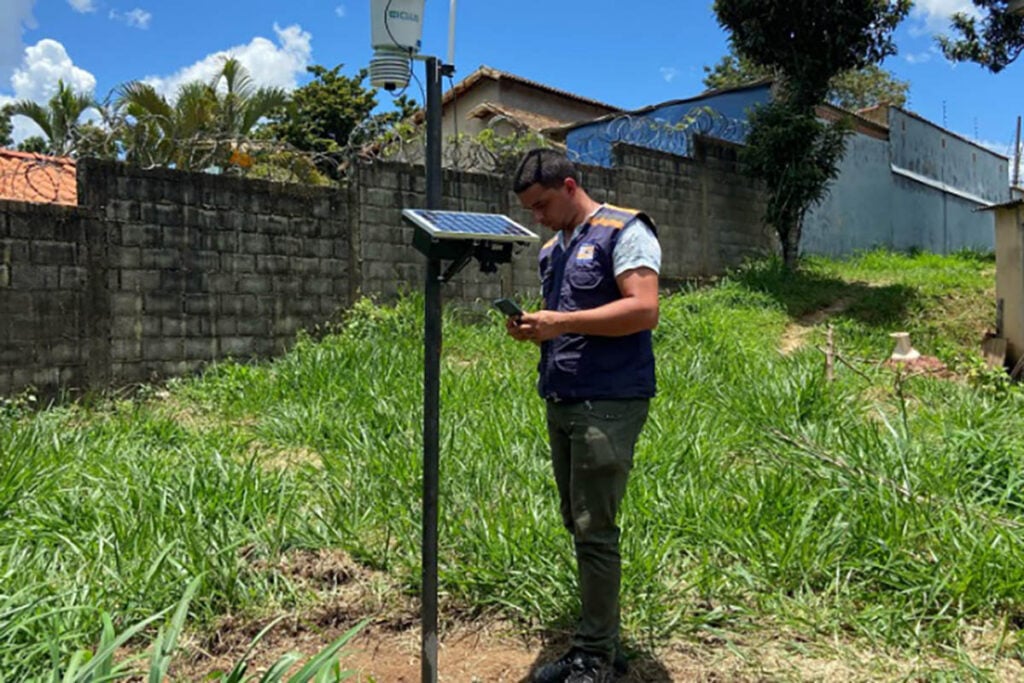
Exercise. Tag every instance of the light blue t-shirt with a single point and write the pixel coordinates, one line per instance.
(637, 246)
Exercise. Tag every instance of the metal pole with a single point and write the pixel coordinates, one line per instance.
(431, 387)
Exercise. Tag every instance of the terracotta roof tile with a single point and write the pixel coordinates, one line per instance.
(497, 75)
(26, 177)
(520, 117)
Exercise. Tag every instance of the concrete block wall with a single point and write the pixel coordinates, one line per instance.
(50, 263)
(159, 272)
(202, 267)
(390, 265)
(708, 216)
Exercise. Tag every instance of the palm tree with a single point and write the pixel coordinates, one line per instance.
(165, 134)
(203, 125)
(240, 104)
(5, 127)
(58, 118)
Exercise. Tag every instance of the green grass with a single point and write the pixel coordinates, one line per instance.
(879, 509)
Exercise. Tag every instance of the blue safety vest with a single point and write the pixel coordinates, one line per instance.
(578, 367)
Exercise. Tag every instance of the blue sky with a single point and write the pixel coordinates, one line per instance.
(627, 54)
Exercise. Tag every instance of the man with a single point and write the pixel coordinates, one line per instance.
(599, 278)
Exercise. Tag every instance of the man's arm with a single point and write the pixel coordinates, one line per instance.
(636, 311)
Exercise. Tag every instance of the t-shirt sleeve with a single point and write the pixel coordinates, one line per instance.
(637, 247)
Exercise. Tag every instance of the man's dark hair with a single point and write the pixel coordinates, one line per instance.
(548, 167)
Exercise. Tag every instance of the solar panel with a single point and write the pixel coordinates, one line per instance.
(461, 225)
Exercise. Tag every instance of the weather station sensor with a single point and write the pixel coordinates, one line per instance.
(396, 37)
(457, 237)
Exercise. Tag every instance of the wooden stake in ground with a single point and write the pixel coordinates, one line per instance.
(830, 355)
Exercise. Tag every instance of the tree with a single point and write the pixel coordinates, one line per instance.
(156, 132)
(850, 90)
(331, 113)
(796, 155)
(59, 118)
(862, 88)
(806, 44)
(239, 104)
(96, 141)
(5, 127)
(993, 42)
(35, 144)
(205, 124)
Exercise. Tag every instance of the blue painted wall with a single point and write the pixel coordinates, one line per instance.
(857, 212)
(920, 146)
(668, 127)
(919, 189)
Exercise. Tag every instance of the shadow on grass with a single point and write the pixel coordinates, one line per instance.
(644, 665)
(806, 294)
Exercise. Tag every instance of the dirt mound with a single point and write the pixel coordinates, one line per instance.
(923, 365)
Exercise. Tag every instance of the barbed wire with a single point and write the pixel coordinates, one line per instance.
(671, 132)
(42, 178)
(144, 145)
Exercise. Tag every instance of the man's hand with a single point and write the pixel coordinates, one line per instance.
(515, 329)
(637, 310)
(536, 327)
(542, 325)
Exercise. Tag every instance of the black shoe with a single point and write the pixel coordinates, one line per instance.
(577, 666)
(590, 670)
(620, 664)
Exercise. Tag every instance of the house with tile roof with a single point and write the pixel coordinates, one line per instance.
(37, 178)
(491, 99)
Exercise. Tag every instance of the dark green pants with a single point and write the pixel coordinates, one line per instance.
(592, 453)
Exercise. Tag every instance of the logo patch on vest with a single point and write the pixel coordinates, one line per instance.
(585, 252)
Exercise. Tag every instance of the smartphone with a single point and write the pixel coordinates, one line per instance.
(508, 307)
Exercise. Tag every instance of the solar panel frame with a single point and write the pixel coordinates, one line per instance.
(468, 225)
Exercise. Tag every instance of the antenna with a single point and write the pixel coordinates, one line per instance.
(1016, 154)
(451, 34)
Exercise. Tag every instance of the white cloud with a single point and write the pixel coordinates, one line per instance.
(997, 147)
(15, 16)
(923, 56)
(669, 73)
(43, 65)
(269, 65)
(933, 16)
(83, 5)
(137, 18)
(340, 11)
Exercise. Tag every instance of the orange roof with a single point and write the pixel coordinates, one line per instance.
(498, 75)
(26, 177)
(518, 117)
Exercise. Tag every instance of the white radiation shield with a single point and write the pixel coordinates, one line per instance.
(396, 36)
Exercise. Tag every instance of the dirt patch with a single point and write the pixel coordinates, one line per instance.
(923, 366)
(277, 458)
(795, 335)
(491, 652)
(486, 649)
